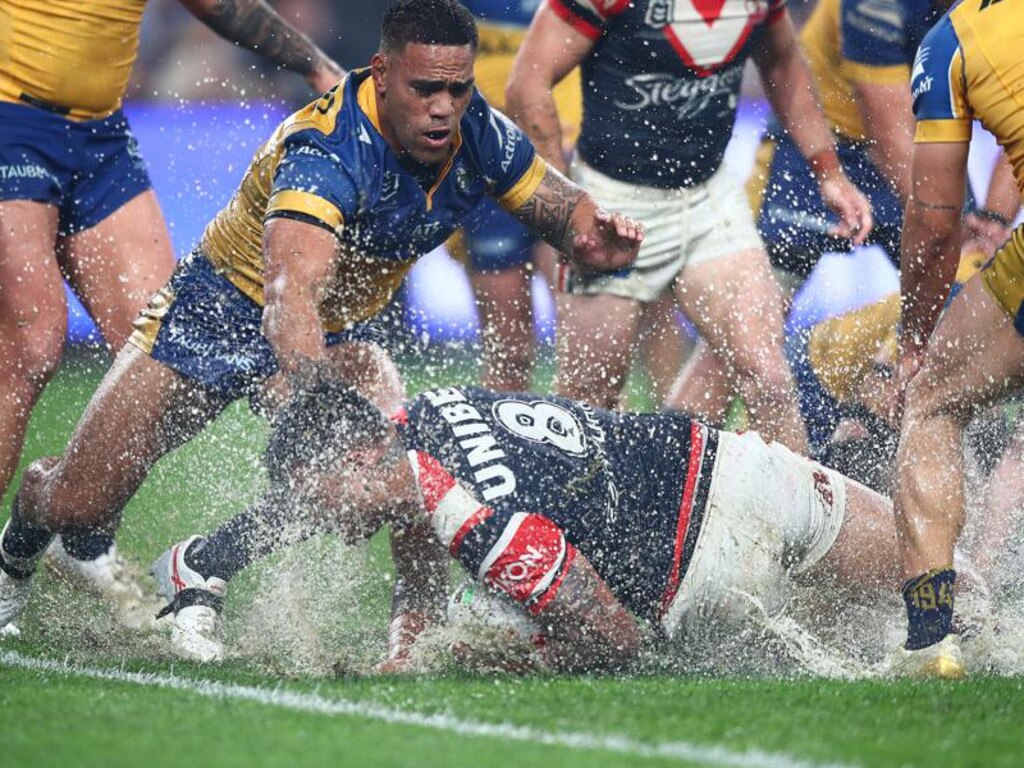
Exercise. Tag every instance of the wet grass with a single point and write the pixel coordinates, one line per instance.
(312, 621)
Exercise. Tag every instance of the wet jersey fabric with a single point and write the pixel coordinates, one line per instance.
(969, 68)
(627, 491)
(330, 165)
(661, 83)
(862, 41)
(70, 57)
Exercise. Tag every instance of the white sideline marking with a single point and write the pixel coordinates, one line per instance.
(312, 703)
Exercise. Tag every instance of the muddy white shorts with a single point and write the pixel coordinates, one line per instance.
(770, 515)
(685, 226)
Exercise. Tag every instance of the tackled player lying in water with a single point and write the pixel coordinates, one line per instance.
(607, 528)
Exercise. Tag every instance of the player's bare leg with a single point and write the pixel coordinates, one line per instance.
(974, 356)
(865, 554)
(664, 347)
(371, 370)
(141, 411)
(597, 336)
(33, 319)
(506, 319)
(736, 306)
(117, 265)
(702, 388)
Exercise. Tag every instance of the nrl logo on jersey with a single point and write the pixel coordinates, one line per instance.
(389, 187)
(660, 13)
(463, 181)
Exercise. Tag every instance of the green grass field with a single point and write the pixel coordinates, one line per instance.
(76, 689)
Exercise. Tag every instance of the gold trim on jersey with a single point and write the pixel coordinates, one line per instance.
(1003, 276)
(896, 74)
(942, 131)
(147, 324)
(307, 203)
(366, 98)
(523, 189)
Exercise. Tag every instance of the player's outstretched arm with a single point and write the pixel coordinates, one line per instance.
(551, 49)
(930, 247)
(588, 628)
(569, 219)
(255, 25)
(299, 263)
(789, 85)
(420, 594)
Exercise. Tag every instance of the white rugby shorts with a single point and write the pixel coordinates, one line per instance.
(685, 227)
(771, 514)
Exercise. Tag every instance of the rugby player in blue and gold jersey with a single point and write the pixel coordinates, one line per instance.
(333, 212)
(76, 201)
(967, 68)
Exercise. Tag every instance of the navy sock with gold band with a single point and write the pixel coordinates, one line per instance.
(929, 599)
(22, 544)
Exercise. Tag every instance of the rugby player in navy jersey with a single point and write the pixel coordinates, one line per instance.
(334, 210)
(661, 83)
(596, 523)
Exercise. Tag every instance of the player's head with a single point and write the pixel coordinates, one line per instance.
(423, 75)
(336, 455)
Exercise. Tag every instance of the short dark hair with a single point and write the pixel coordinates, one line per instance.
(432, 22)
(319, 424)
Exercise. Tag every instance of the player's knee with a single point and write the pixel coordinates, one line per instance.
(763, 379)
(36, 355)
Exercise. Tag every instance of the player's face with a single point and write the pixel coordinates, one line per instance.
(423, 92)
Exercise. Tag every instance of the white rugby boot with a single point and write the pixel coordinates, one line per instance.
(943, 660)
(111, 579)
(15, 588)
(14, 594)
(195, 602)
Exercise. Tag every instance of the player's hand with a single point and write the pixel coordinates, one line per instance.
(609, 243)
(325, 76)
(909, 365)
(849, 203)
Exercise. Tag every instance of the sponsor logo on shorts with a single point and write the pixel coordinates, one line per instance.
(25, 172)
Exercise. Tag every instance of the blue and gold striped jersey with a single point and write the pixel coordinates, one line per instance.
(329, 163)
(74, 54)
(862, 41)
(969, 67)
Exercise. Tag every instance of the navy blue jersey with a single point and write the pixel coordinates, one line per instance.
(661, 83)
(516, 484)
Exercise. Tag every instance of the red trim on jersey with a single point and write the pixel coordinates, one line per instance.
(570, 17)
(688, 59)
(776, 13)
(615, 10)
(435, 480)
(530, 556)
(471, 522)
(544, 600)
(685, 509)
(401, 416)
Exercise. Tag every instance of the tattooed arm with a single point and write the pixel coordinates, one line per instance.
(930, 245)
(255, 25)
(569, 219)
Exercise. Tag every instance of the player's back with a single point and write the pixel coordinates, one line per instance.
(626, 489)
(72, 56)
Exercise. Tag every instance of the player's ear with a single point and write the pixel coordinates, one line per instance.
(378, 66)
